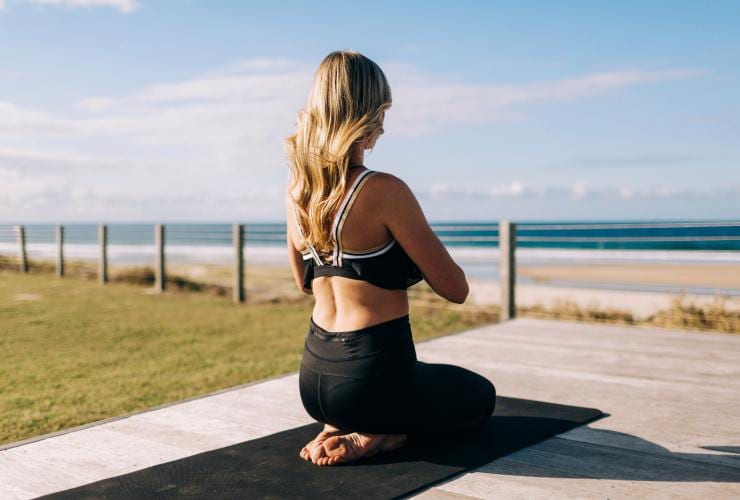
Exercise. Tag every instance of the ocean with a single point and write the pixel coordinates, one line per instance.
(474, 245)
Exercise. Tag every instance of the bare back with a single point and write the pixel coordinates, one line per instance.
(381, 210)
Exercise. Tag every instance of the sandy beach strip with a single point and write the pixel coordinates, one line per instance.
(640, 304)
(278, 280)
(709, 275)
(548, 286)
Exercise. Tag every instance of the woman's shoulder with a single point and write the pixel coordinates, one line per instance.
(386, 180)
(390, 187)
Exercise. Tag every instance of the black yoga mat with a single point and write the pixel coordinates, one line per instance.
(270, 467)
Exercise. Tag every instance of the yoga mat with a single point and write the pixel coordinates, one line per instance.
(270, 467)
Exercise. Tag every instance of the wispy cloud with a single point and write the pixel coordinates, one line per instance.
(577, 191)
(260, 97)
(31, 162)
(428, 103)
(24, 122)
(126, 6)
(634, 160)
(51, 195)
(222, 131)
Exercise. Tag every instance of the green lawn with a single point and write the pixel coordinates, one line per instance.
(75, 351)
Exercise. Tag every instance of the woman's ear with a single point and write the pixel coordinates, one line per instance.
(369, 142)
(359, 145)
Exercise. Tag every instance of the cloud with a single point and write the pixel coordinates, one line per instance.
(427, 103)
(19, 121)
(577, 191)
(48, 195)
(257, 99)
(125, 6)
(28, 162)
(222, 131)
(514, 189)
(635, 160)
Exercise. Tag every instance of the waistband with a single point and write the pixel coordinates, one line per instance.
(390, 325)
(371, 351)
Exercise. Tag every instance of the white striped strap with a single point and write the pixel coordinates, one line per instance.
(311, 248)
(341, 216)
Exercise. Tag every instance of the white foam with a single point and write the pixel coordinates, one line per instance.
(277, 254)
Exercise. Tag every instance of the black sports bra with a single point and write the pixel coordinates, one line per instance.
(387, 265)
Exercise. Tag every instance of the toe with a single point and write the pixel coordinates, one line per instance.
(317, 453)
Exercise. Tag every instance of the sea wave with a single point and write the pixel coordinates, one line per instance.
(277, 254)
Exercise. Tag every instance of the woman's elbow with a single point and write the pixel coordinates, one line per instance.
(299, 285)
(458, 289)
(460, 295)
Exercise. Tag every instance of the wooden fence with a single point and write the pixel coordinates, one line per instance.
(507, 264)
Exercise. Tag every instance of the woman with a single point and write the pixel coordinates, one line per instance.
(357, 239)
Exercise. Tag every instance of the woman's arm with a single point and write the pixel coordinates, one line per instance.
(405, 219)
(294, 255)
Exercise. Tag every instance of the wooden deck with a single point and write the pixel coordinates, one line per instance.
(673, 429)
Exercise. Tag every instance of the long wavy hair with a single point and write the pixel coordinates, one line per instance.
(346, 105)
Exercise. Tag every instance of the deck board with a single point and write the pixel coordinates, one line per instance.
(673, 399)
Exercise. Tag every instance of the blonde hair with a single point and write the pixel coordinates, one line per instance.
(347, 103)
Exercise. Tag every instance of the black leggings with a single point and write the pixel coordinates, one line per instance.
(369, 380)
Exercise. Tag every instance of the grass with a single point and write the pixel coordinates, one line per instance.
(75, 351)
(681, 314)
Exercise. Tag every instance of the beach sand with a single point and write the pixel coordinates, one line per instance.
(640, 304)
(708, 275)
(275, 281)
(550, 286)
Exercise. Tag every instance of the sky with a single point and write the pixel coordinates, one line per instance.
(175, 110)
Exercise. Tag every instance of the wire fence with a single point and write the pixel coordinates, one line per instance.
(215, 257)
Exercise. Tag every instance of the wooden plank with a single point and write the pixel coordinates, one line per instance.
(440, 494)
(36, 477)
(677, 449)
(15, 493)
(559, 468)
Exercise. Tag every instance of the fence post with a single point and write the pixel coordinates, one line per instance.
(60, 250)
(160, 278)
(20, 233)
(237, 236)
(507, 247)
(103, 263)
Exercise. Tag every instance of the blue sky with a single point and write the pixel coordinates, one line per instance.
(136, 110)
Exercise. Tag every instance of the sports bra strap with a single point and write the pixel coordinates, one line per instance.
(339, 218)
(311, 248)
(344, 208)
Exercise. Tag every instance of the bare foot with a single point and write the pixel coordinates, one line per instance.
(352, 446)
(322, 436)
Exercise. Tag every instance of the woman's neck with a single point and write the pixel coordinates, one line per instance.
(357, 156)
